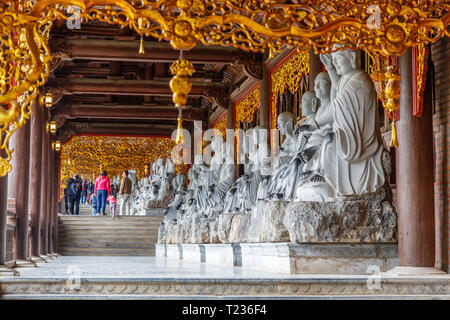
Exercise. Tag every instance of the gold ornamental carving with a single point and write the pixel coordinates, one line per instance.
(84, 155)
(221, 124)
(288, 76)
(246, 108)
(383, 28)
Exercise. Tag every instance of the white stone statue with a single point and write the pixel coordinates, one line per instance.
(243, 194)
(285, 179)
(352, 153)
(285, 124)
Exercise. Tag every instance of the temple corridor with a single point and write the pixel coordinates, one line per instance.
(233, 149)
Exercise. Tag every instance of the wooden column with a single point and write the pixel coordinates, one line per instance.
(44, 186)
(315, 67)
(264, 111)
(55, 197)
(414, 163)
(35, 177)
(18, 184)
(49, 195)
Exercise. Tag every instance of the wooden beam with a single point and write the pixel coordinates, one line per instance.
(130, 87)
(126, 50)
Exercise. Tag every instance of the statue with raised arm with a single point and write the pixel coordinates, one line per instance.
(352, 153)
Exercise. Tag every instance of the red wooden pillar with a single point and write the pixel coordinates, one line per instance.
(414, 163)
(18, 184)
(44, 186)
(35, 178)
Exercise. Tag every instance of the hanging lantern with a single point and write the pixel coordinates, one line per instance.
(48, 100)
(57, 145)
(52, 127)
(181, 86)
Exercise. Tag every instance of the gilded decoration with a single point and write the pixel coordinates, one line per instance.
(381, 27)
(287, 76)
(245, 109)
(221, 124)
(88, 155)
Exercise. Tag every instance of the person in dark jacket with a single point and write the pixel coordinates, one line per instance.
(75, 195)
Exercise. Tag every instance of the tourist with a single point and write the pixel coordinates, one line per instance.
(84, 192)
(112, 205)
(74, 195)
(102, 190)
(125, 194)
(93, 204)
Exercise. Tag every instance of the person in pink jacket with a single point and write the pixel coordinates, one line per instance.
(102, 191)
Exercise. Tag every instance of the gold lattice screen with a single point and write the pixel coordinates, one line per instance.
(88, 155)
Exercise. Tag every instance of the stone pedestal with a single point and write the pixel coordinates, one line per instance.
(223, 254)
(160, 250)
(267, 222)
(194, 252)
(174, 251)
(291, 258)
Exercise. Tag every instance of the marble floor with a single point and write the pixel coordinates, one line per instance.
(110, 267)
(114, 277)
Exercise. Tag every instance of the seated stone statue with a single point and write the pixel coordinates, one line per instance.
(243, 194)
(233, 199)
(222, 176)
(284, 180)
(285, 124)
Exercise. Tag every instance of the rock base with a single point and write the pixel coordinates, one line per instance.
(266, 222)
(358, 221)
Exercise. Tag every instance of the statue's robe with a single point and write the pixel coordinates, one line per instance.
(284, 179)
(353, 160)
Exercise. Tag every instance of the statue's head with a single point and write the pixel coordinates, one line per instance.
(309, 103)
(285, 123)
(256, 132)
(344, 61)
(322, 86)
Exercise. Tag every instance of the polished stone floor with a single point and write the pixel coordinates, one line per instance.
(109, 267)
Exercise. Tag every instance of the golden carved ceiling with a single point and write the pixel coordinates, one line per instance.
(88, 155)
(246, 107)
(221, 124)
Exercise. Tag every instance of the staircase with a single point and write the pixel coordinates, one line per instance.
(87, 235)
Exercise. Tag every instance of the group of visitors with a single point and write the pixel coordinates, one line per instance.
(97, 194)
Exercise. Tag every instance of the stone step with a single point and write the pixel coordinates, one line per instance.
(130, 230)
(122, 232)
(68, 251)
(102, 235)
(118, 236)
(106, 244)
(109, 218)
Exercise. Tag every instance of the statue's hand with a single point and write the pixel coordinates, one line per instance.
(305, 127)
(327, 61)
